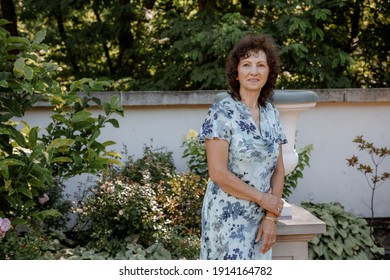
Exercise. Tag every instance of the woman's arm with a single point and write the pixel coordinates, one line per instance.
(217, 160)
(277, 178)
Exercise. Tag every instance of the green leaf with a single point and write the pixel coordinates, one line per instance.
(11, 200)
(25, 191)
(349, 245)
(30, 203)
(378, 250)
(336, 247)
(19, 221)
(4, 84)
(60, 142)
(108, 143)
(80, 116)
(22, 40)
(37, 182)
(28, 73)
(114, 122)
(19, 67)
(49, 213)
(4, 22)
(33, 136)
(114, 154)
(95, 134)
(342, 232)
(107, 108)
(319, 249)
(61, 160)
(12, 161)
(39, 37)
(60, 118)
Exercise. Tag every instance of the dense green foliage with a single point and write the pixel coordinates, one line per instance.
(347, 237)
(182, 45)
(33, 160)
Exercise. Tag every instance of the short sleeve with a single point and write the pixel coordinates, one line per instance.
(280, 135)
(217, 123)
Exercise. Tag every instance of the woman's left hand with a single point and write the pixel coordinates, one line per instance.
(267, 232)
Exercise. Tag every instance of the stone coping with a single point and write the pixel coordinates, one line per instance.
(284, 96)
(206, 97)
(301, 223)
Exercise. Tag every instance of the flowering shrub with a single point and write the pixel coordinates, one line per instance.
(5, 225)
(195, 151)
(146, 200)
(118, 208)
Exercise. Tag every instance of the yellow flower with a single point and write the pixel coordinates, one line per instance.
(192, 134)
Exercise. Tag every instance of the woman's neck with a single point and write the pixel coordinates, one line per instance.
(250, 99)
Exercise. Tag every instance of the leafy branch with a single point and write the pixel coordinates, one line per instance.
(371, 172)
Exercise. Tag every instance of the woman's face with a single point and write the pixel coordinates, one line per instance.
(253, 71)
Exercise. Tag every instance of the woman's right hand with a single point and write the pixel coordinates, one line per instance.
(271, 203)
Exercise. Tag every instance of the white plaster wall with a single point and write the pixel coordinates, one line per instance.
(330, 127)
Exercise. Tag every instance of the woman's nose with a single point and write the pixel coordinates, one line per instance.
(254, 70)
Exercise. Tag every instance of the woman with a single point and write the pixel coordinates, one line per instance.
(244, 138)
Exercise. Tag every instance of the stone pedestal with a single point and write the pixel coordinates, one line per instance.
(294, 233)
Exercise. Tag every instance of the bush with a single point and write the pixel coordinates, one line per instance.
(195, 152)
(346, 238)
(146, 200)
(117, 209)
(155, 165)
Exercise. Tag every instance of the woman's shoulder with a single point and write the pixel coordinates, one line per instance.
(270, 107)
(225, 103)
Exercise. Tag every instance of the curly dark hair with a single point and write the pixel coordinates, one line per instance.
(242, 50)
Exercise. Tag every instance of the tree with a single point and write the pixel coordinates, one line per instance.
(179, 45)
(31, 159)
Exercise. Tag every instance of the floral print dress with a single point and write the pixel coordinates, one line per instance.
(230, 224)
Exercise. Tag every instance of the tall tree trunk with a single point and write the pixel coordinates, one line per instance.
(105, 48)
(247, 8)
(149, 4)
(355, 25)
(204, 4)
(125, 37)
(8, 11)
(69, 50)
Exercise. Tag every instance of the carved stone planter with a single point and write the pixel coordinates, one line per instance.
(291, 104)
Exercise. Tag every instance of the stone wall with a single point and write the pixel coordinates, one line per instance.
(163, 118)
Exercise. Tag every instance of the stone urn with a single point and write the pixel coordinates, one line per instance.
(291, 104)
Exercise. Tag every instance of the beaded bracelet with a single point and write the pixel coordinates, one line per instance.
(270, 219)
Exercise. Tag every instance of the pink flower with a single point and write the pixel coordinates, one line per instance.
(43, 199)
(5, 225)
